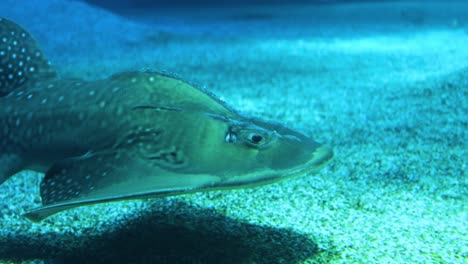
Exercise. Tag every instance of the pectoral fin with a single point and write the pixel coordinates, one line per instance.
(108, 177)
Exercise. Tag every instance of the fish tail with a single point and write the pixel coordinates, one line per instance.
(21, 59)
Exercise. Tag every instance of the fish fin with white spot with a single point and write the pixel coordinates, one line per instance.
(98, 178)
(21, 59)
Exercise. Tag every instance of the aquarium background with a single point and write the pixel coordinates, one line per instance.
(384, 83)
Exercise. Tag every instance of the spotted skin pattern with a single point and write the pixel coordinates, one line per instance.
(20, 58)
(132, 135)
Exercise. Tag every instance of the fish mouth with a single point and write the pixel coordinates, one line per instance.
(320, 157)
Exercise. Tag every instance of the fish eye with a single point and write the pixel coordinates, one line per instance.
(255, 138)
(250, 136)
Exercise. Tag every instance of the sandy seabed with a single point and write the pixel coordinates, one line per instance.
(389, 95)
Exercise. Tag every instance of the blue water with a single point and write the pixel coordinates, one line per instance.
(384, 83)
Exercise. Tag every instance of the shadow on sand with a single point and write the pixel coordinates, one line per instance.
(185, 234)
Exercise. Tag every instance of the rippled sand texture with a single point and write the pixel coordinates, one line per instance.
(387, 90)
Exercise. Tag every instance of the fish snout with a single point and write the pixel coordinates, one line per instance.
(301, 154)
